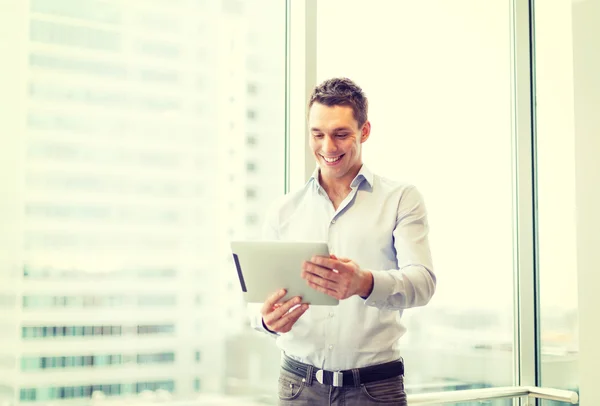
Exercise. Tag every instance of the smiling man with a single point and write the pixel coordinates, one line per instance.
(380, 265)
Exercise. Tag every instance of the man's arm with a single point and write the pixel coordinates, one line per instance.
(413, 284)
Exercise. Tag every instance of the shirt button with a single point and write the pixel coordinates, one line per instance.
(332, 221)
(331, 314)
(331, 347)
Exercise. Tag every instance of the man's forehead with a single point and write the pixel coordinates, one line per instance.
(331, 117)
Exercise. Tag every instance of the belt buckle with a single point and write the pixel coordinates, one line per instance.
(338, 378)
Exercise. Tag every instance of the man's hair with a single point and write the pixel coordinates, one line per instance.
(342, 92)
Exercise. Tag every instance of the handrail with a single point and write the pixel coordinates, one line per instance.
(473, 395)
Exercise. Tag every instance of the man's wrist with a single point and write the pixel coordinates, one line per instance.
(366, 285)
(267, 328)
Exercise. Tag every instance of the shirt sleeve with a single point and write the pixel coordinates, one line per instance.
(269, 232)
(414, 282)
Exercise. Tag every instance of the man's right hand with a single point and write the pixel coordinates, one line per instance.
(277, 317)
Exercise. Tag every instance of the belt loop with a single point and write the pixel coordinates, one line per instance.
(356, 376)
(309, 375)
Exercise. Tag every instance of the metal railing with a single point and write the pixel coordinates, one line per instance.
(474, 395)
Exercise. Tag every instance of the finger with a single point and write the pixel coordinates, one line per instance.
(334, 264)
(332, 256)
(271, 300)
(320, 271)
(281, 310)
(277, 323)
(325, 262)
(322, 282)
(286, 322)
(327, 291)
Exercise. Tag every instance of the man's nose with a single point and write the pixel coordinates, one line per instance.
(329, 144)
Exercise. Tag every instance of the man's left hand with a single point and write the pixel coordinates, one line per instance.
(340, 278)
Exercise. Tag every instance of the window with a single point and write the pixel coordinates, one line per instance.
(28, 395)
(251, 140)
(155, 358)
(69, 331)
(74, 36)
(556, 44)
(155, 329)
(129, 135)
(446, 118)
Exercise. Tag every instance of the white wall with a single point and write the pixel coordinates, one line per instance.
(586, 33)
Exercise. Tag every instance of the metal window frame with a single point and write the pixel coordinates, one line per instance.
(527, 354)
(301, 78)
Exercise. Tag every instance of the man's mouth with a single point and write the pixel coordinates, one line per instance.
(332, 160)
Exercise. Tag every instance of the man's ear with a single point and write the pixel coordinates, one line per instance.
(365, 131)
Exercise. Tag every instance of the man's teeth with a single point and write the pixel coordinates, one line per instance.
(331, 160)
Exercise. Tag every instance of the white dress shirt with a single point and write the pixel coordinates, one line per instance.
(382, 226)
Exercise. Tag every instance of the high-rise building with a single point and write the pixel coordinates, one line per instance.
(144, 137)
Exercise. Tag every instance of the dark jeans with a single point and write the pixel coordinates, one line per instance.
(294, 390)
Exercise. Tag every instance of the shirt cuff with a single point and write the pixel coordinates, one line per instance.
(259, 325)
(383, 287)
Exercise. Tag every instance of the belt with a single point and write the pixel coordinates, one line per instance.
(344, 378)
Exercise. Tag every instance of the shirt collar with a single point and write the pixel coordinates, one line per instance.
(364, 173)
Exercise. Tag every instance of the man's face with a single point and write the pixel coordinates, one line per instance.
(335, 140)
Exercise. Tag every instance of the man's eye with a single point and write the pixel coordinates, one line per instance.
(318, 135)
(342, 135)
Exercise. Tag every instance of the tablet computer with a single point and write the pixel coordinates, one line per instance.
(266, 266)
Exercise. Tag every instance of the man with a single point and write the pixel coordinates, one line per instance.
(380, 265)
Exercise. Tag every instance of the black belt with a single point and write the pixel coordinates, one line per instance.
(345, 378)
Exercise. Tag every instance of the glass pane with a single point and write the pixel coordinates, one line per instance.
(141, 137)
(437, 75)
(556, 195)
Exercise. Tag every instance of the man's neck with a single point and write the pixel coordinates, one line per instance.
(337, 188)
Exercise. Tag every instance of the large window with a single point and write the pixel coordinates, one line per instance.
(145, 136)
(437, 75)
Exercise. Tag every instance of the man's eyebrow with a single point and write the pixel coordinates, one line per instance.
(315, 129)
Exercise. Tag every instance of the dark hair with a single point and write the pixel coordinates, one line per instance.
(342, 92)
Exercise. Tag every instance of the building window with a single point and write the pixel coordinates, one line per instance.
(197, 356)
(165, 385)
(28, 395)
(66, 331)
(157, 358)
(250, 166)
(251, 219)
(197, 384)
(155, 329)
